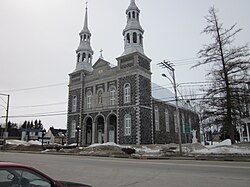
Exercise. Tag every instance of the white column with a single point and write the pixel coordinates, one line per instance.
(105, 132)
(93, 133)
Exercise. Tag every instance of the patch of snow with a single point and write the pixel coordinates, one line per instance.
(17, 142)
(105, 144)
(218, 144)
(35, 142)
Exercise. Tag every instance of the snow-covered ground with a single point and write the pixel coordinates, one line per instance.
(19, 142)
(158, 150)
(224, 147)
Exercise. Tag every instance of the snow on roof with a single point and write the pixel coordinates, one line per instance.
(161, 93)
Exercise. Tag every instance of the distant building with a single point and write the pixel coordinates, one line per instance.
(31, 134)
(56, 136)
(118, 104)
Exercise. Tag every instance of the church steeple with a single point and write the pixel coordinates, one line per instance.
(133, 32)
(84, 51)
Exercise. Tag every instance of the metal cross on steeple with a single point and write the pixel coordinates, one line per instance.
(101, 54)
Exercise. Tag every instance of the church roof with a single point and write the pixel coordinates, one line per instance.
(161, 93)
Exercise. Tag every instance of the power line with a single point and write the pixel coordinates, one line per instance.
(35, 88)
(42, 105)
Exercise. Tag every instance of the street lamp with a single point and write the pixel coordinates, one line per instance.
(43, 134)
(77, 136)
(168, 65)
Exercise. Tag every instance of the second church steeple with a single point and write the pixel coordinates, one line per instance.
(133, 32)
(84, 51)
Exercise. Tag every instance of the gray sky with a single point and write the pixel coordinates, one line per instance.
(38, 39)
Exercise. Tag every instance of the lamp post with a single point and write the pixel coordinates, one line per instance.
(168, 65)
(77, 136)
(43, 134)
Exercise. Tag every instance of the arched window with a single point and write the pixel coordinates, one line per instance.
(129, 15)
(99, 97)
(128, 37)
(84, 37)
(157, 124)
(167, 120)
(89, 58)
(112, 96)
(134, 37)
(140, 39)
(74, 103)
(127, 125)
(73, 129)
(137, 16)
(133, 14)
(127, 96)
(89, 98)
(83, 57)
(78, 57)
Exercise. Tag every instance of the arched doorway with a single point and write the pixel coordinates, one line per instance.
(112, 128)
(89, 131)
(100, 129)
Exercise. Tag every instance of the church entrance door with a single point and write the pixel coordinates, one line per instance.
(89, 131)
(100, 129)
(112, 128)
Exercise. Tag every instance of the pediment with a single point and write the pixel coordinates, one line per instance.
(101, 63)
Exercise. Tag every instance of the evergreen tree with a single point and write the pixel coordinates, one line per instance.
(230, 70)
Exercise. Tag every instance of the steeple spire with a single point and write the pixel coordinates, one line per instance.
(84, 51)
(133, 32)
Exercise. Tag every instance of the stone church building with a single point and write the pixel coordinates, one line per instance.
(109, 103)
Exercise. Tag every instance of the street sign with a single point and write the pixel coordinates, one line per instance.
(187, 128)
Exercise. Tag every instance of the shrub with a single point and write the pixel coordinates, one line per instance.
(128, 150)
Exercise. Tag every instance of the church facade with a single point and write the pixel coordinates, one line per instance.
(109, 103)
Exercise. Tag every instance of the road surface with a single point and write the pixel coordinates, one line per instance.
(114, 172)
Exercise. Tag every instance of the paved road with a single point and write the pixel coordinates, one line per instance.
(112, 172)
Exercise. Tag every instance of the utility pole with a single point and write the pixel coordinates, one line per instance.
(5, 135)
(169, 66)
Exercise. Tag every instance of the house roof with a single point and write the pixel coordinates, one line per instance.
(58, 132)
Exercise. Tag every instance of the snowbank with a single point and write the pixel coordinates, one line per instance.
(20, 142)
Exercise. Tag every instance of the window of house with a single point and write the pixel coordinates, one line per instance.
(127, 124)
(167, 120)
(89, 97)
(99, 97)
(127, 93)
(74, 103)
(73, 129)
(157, 125)
(133, 14)
(112, 96)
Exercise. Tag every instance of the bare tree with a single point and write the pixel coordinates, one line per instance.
(230, 67)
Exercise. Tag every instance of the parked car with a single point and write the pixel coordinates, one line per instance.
(19, 175)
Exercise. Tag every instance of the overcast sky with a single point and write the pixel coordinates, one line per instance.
(38, 39)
